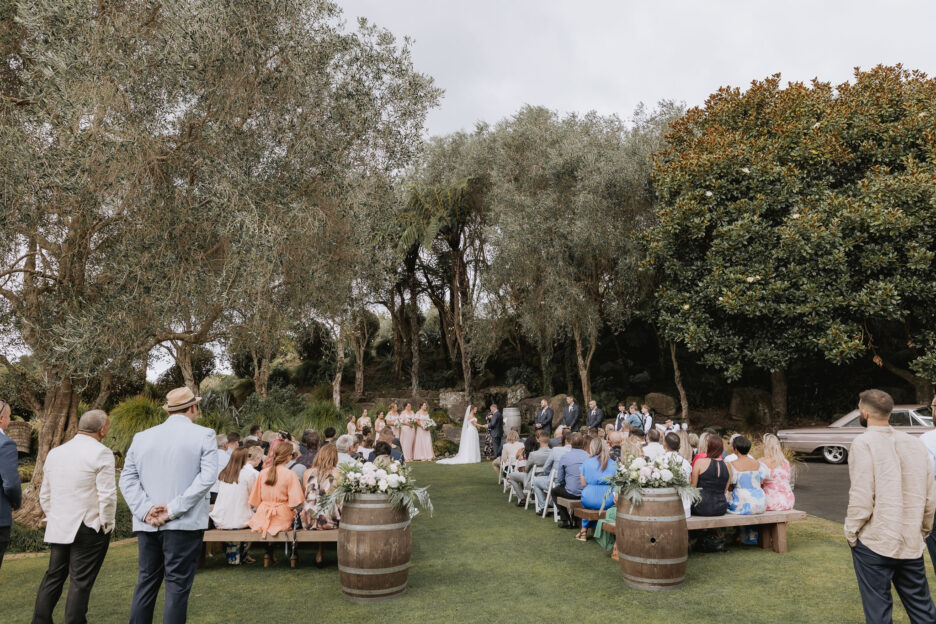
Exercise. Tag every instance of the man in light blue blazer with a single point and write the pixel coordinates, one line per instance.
(165, 481)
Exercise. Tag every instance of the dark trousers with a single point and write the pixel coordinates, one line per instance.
(561, 492)
(4, 541)
(876, 573)
(931, 544)
(169, 555)
(79, 561)
(498, 443)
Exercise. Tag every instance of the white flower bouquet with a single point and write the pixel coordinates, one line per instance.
(635, 474)
(381, 476)
(426, 423)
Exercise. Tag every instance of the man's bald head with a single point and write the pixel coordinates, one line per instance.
(93, 421)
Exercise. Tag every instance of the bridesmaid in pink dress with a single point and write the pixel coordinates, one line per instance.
(778, 488)
(407, 431)
(393, 420)
(422, 448)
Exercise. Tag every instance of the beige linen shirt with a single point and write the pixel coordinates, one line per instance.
(892, 496)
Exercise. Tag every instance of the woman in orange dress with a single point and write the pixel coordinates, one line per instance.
(276, 494)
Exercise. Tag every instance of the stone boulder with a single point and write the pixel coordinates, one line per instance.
(662, 404)
(515, 394)
(452, 432)
(457, 411)
(449, 398)
(750, 406)
(529, 407)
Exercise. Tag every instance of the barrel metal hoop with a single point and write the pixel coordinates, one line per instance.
(662, 500)
(369, 497)
(368, 505)
(371, 571)
(648, 581)
(652, 518)
(653, 561)
(374, 527)
(373, 592)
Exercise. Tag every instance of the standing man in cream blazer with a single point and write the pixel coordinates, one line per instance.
(79, 498)
(165, 481)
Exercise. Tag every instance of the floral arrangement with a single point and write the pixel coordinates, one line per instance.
(381, 476)
(634, 474)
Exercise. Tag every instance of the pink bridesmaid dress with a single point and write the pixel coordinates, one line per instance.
(407, 435)
(422, 448)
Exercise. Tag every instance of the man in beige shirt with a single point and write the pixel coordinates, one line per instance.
(890, 511)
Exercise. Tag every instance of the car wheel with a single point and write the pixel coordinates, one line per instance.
(834, 454)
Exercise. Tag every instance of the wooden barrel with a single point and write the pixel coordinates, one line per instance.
(374, 543)
(652, 540)
(21, 433)
(511, 420)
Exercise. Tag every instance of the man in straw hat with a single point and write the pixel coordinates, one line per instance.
(165, 481)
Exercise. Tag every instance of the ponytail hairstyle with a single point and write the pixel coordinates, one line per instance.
(281, 455)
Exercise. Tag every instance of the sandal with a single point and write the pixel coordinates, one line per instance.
(614, 555)
(582, 536)
(249, 559)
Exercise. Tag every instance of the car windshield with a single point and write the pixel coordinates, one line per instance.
(925, 414)
(852, 423)
(900, 418)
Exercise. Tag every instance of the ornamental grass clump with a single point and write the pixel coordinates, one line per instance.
(381, 476)
(635, 474)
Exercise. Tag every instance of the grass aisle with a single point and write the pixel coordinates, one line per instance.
(481, 560)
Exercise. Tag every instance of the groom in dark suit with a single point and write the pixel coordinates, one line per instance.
(595, 415)
(544, 417)
(496, 429)
(570, 414)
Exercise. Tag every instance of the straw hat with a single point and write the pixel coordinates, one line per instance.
(180, 399)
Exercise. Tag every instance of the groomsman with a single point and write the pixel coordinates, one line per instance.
(79, 498)
(165, 481)
(621, 420)
(570, 414)
(595, 415)
(11, 495)
(544, 417)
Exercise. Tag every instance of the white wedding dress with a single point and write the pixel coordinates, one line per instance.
(469, 449)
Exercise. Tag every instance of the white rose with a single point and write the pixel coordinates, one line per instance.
(749, 279)
(370, 467)
(395, 467)
(402, 479)
(666, 475)
(708, 193)
(393, 481)
(745, 170)
(382, 485)
(640, 462)
(353, 476)
(655, 474)
(642, 479)
(685, 306)
(381, 474)
(795, 215)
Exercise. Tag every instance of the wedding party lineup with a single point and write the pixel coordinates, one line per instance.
(361, 310)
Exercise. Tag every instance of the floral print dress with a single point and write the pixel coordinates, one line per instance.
(778, 488)
(748, 496)
(311, 516)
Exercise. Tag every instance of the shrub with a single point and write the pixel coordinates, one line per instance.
(275, 411)
(221, 423)
(26, 473)
(444, 448)
(241, 390)
(320, 415)
(441, 417)
(129, 418)
(280, 377)
(321, 392)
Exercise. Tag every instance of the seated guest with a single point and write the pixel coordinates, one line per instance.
(633, 443)
(653, 449)
(511, 448)
(329, 434)
(311, 440)
(673, 445)
(541, 482)
(366, 447)
(747, 474)
(732, 456)
(386, 436)
(537, 452)
(381, 449)
(355, 449)
(232, 509)
(615, 439)
(344, 445)
(685, 445)
(320, 479)
(693, 445)
(595, 472)
(556, 440)
(701, 448)
(255, 432)
(711, 475)
(567, 475)
(294, 464)
(276, 494)
(778, 489)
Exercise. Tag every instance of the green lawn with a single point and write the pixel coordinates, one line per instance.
(482, 560)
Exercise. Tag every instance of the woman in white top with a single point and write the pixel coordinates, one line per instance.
(231, 509)
(511, 449)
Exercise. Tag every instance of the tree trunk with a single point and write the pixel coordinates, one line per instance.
(261, 377)
(677, 378)
(778, 397)
(546, 368)
(414, 336)
(59, 423)
(922, 388)
(397, 340)
(104, 392)
(584, 362)
(358, 346)
(183, 357)
(339, 369)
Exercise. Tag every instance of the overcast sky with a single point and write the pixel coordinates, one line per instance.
(491, 57)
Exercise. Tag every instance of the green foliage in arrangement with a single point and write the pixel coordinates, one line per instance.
(444, 447)
(129, 418)
(799, 220)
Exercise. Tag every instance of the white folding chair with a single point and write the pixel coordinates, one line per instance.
(510, 489)
(546, 508)
(534, 472)
(509, 471)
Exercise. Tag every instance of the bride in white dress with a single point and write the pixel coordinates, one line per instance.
(469, 449)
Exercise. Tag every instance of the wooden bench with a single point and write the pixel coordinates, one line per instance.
(771, 524)
(246, 535)
(571, 504)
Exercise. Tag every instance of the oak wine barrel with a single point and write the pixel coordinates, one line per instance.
(511, 420)
(374, 542)
(652, 540)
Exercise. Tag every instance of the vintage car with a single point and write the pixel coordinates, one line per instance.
(833, 441)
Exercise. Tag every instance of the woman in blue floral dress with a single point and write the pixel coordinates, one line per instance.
(747, 496)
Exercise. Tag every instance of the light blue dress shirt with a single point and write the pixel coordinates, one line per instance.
(173, 464)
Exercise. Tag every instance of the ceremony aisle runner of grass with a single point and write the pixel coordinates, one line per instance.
(479, 559)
